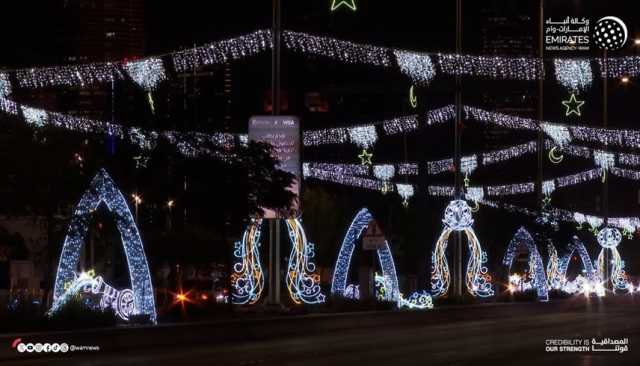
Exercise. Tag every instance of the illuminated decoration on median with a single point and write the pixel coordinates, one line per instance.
(573, 106)
(247, 279)
(302, 281)
(575, 75)
(588, 276)
(554, 277)
(97, 294)
(337, 4)
(609, 238)
(103, 190)
(341, 272)
(536, 268)
(458, 217)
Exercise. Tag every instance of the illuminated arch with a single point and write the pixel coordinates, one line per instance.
(103, 190)
(341, 272)
(587, 266)
(522, 237)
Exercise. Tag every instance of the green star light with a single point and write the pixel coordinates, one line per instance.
(573, 106)
(336, 4)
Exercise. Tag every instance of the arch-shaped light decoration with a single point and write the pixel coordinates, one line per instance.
(341, 272)
(609, 238)
(522, 237)
(247, 279)
(458, 217)
(103, 190)
(586, 282)
(302, 281)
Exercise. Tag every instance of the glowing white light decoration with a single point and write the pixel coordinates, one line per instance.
(71, 75)
(440, 166)
(510, 189)
(629, 159)
(509, 153)
(559, 134)
(35, 117)
(302, 281)
(625, 173)
(405, 191)
(5, 85)
(223, 51)
(555, 279)
(400, 125)
(384, 172)
(348, 180)
(441, 191)
(9, 107)
(147, 73)
(594, 221)
(575, 75)
(343, 51)
(416, 66)
(578, 178)
(341, 271)
(607, 137)
(327, 136)
(618, 67)
(342, 169)
(468, 164)
(494, 67)
(475, 194)
(522, 238)
(458, 217)
(548, 187)
(441, 115)
(247, 279)
(609, 238)
(603, 159)
(103, 190)
(408, 169)
(501, 119)
(363, 136)
(416, 301)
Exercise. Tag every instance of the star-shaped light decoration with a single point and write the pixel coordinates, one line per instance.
(141, 161)
(337, 4)
(365, 157)
(573, 106)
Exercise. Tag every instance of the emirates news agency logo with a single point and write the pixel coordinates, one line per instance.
(610, 33)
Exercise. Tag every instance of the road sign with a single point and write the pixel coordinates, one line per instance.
(373, 238)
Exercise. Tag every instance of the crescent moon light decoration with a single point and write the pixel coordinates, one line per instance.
(553, 158)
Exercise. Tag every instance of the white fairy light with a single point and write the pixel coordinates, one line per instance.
(406, 191)
(347, 180)
(363, 136)
(35, 117)
(629, 159)
(327, 136)
(604, 159)
(72, 75)
(494, 67)
(578, 178)
(146, 73)
(475, 194)
(510, 189)
(579, 218)
(618, 67)
(510, 153)
(5, 85)
(400, 125)
(439, 166)
(408, 169)
(548, 187)
(384, 172)
(575, 75)
(343, 51)
(223, 51)
(441, 191)
(416, 66)
(625, 173)
(468, 164)
(559, 134)
(440, 115)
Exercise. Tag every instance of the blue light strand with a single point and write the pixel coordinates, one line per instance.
(522, 237)
(103, 190)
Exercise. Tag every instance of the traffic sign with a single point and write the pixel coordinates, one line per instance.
(373, 238)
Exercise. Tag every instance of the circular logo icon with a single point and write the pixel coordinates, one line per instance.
(610, 33)
(46, 347)
(38, 347)
(55, 347)
(22, 347)
(30, 347)
(64, 348)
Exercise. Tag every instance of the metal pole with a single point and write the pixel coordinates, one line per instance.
(605, 184)
(540, 144)
(457, 153)
(274, 225)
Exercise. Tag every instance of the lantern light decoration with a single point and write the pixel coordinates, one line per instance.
(247, 279)
(522, 238)
(302, 281)
(341, 271)
(103, 190)
(458, 217)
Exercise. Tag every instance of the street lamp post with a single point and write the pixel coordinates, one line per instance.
(137, 200)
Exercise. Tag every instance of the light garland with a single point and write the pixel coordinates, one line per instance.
(5, 85)
(348, 180)
(364, 136)
(629, 159)
(418, 67)
(575, 75)
(70, 76)
(625, 173)
(617, 67)
(494, 67)
(559, 134)
(408, 169)
(325, 137)
(441, 115)
(343, 263)
(441, 191)
(509, 153)
(103, 190)
(342, 169)
(302, 281)
(146, 73)
(510, 189)
(400, 125)
(578, 178)
(223, 51)
(247, 279)
(604, 160)
(343, 51)
(458, 217)
(384, 172)
(35, 117)
(416, 301)
(522, 238)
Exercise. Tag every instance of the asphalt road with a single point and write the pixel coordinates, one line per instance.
(492, 335)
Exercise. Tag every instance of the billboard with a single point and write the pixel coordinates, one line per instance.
(283, 133)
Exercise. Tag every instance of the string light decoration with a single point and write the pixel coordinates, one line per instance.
(458, 217)
(609, 238)
(617, 67)
(365, 158)
(147, 73)
(35, 117)
(8, 107)
(509, 153)
(578, 178)
(575, 75)
(625, 173)
(493, 67)
(342, 169)
(408, 169)
(629, 159)
(418, 67)
(88, 286)
(247, 278)
(325, 137)
(341, 271)
(468, 164)
(416, 301)
(400, 125)
(439, 166)
(440, 115)
(607, 137)
(223, 51)
(441, 191)
(548, 187)
(302, 281)
(605, 160)
(384, 172)
(559, 134)
(501, 119)
(510, 189)
(573, 106)
(522, 239)
(5, 85)
(364, 136)
(554, 276)
(103, 190)
(69, 76)
(405, 191)
(588, 271)
(310, 172)
(343, 51)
